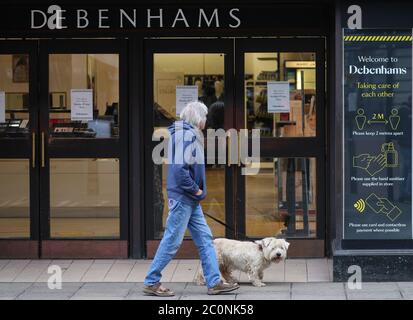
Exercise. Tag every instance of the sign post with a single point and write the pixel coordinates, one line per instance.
(377, 92)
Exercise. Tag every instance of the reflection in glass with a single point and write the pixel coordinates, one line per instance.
(14, 88)
(84, 198)
(281, 198)
(298, 68)
(14, 198)
(206, 71)
(98, 72)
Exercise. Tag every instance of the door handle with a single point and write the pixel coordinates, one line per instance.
(33, 150)
(43, 150)
(229, 150)
(239, 148)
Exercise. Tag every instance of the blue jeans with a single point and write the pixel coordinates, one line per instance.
(180, 217)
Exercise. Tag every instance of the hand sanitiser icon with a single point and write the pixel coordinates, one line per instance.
(374, 164)
(391, 155)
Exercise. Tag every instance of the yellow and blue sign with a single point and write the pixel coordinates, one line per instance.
(377, 97)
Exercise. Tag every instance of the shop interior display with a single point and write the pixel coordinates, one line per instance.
(102, 126)
(14, 128)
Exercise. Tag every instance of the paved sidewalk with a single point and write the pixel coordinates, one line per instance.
(297, 279)
(292, 270)
(190, 291)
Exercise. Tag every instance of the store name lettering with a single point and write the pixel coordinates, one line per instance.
(55, 18)
(380, 69)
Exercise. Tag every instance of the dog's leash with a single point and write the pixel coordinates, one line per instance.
(227, 226)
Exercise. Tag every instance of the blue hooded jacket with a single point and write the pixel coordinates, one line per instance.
(186, 164)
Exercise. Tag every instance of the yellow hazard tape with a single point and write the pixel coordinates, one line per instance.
(373, 38)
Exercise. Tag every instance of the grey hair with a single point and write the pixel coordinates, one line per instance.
(194, 113)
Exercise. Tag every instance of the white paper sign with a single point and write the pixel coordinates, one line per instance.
(184, 95)
(278, 93)
(2, 106)
(81, 104)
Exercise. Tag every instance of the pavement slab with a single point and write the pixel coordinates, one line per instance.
(10, 291)
(103, 290)
(40, 291)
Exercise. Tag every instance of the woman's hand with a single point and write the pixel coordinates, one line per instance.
(199, 192)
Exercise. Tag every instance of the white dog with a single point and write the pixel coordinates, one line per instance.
(250, 257)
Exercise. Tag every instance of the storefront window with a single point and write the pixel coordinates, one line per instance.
(84, 95)
(14, 198)
(296, 68)
(206, 72)
(281, 198)
(14, 95)
(84, 198)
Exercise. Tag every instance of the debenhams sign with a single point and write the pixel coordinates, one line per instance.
(55, 17)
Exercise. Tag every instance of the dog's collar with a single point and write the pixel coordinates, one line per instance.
(259, 246)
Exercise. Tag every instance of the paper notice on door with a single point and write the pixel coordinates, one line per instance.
(184, 95)
(81, 104)
(2, 106)
(278, 93)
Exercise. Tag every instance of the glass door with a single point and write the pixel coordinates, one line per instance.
(19, 159)
(206, 66)
(280, 193)
(280, 92)
(83, 143)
